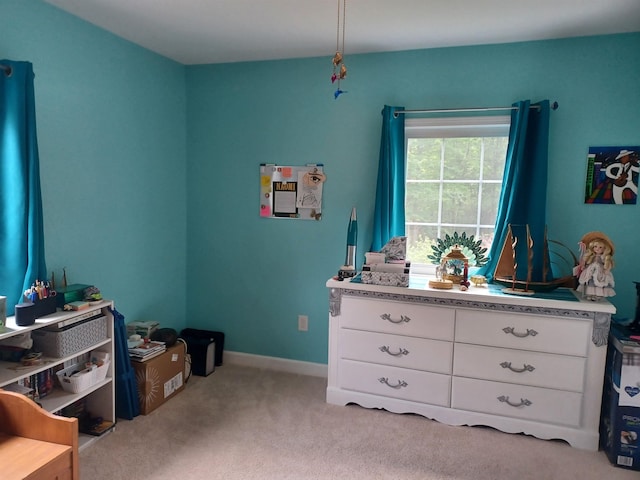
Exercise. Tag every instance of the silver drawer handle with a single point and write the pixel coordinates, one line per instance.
(400, 384)
(525, 367)
(401, 351)
(387, 316)
(523, 402)
(511, 330)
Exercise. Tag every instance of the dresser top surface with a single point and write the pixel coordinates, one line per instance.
(22, 456)
(564, 298)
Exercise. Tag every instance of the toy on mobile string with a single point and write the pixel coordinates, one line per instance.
(338, 59)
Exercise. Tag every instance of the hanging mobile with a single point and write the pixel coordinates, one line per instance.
(339, 74)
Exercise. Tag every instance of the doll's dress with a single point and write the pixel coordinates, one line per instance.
(595, 280)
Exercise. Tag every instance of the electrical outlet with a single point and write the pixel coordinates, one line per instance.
(303, 323)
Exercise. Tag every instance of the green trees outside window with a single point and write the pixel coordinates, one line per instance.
(453, 185)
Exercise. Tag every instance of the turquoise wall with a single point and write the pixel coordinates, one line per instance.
(255, 275)
(111, 132)
(150, 169)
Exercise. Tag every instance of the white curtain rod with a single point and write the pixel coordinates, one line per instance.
(6, 69)
(554, 106)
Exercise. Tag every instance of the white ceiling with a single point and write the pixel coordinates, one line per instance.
(220, 31)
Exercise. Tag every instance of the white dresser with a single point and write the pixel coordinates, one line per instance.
(533, 365)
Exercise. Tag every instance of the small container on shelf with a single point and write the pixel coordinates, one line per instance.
(100, 373)
(79, 377)
(75, 378)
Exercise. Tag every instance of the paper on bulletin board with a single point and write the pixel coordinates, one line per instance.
(291, 191)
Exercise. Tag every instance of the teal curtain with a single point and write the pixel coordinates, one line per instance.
(388, 220)
(22, 259)
(524, 188)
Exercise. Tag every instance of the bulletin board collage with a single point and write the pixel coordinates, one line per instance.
(291, 191)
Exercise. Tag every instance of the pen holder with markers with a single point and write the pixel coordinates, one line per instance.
(27, 312)
(45, 306)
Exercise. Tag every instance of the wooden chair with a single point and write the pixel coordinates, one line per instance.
(35, 444)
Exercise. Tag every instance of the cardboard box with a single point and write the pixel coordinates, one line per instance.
(144, 329)
(620, 422)
(160, 378)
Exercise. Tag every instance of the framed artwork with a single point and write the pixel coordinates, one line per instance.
(612, 175)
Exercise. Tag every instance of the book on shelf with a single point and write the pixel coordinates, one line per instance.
(23, 390)
(147, 350)
(78, 305)
(146, 357)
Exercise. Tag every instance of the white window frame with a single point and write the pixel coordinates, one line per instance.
(451, 127)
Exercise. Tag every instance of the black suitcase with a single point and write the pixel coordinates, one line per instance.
(206, 349)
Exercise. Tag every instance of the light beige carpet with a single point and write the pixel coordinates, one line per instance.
(247, 423)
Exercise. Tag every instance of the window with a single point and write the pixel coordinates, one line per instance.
(454, 172)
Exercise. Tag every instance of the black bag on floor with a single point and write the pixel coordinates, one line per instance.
(206, 349)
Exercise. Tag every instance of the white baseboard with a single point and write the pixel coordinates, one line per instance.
(276, 363)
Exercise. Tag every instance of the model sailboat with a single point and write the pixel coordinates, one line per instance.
(519, 249)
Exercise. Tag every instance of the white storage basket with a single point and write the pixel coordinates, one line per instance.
(100, 373)
(85, 378)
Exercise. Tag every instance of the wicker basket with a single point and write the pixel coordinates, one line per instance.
(67, 342)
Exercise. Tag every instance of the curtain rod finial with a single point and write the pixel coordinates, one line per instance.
(554, 106)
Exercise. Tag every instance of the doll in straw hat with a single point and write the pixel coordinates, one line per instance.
(595, 279)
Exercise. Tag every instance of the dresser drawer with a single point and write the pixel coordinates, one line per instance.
(57, 469)
(398, 318)
(527, 332)
(396, 350)
(401, 383)
(64, 474)
(519, 401)
(519, 366)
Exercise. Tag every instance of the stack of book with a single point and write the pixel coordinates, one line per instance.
(146, 351)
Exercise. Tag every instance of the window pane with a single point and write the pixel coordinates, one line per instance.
(486, 235)
(490, 199)
(423, 158)
(420, 240)
(495, 152)
(450, 230)
(462, 158)
(454, 173)
(460, 203)
(421, 202)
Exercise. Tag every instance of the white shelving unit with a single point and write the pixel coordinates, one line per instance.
(100, 397)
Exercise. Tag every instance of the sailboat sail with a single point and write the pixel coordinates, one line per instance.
(520, 266)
